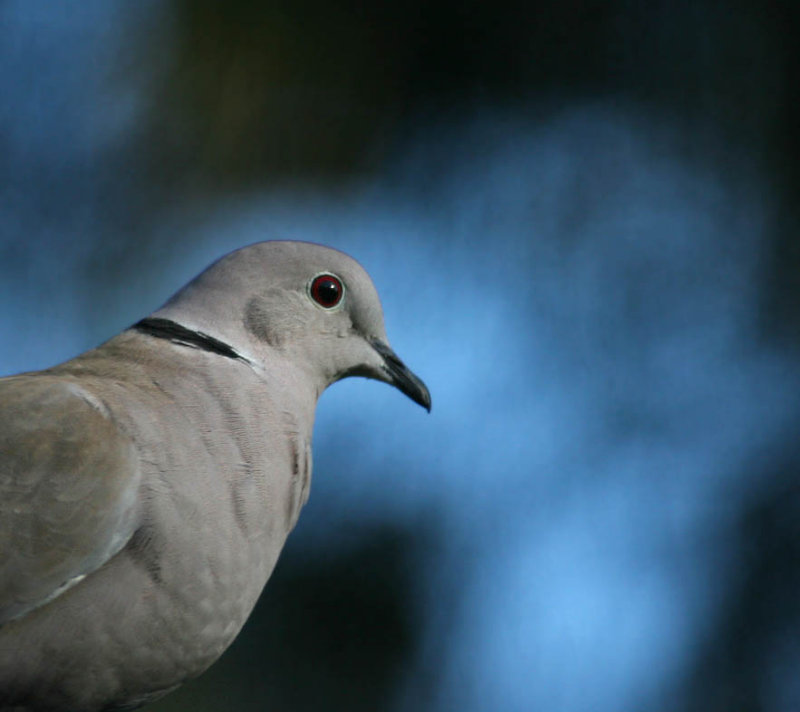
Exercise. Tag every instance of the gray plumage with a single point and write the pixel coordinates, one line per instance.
(148, 486)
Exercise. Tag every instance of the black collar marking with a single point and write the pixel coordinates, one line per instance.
(177, 334)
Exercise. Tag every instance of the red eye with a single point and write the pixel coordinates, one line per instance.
(326, 290)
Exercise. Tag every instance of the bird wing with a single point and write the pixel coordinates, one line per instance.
(69, 481)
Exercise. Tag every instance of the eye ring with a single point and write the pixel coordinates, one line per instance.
(326, 290)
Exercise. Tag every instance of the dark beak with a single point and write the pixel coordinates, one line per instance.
(400, 376)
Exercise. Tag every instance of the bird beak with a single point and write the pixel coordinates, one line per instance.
(401, 377)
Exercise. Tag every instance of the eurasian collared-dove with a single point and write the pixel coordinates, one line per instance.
(147, 486)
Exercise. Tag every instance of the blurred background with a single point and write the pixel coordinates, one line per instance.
(582, 217)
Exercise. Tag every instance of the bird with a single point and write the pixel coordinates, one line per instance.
(148, 485)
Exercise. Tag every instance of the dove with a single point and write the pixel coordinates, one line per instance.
(147, 486)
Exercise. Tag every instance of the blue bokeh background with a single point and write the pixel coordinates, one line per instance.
(590, 273)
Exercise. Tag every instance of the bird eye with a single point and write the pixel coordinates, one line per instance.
(326, 290)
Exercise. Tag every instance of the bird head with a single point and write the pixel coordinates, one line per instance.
(310, 304)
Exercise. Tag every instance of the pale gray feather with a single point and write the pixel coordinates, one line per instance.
(69, 481)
